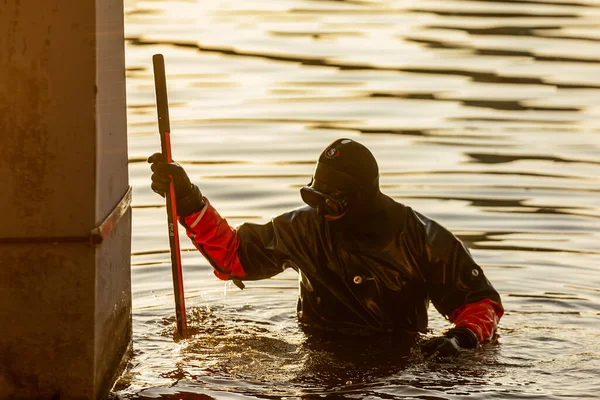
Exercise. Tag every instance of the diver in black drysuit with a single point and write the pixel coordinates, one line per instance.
(367, 263)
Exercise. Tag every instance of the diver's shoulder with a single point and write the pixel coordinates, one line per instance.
(408, 212)
(397, 208)
(299, 215)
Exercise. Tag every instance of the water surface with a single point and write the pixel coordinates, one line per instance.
(484, 115)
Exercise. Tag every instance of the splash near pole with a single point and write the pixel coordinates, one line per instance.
(164, 127)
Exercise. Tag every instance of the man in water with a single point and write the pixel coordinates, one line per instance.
(367, 263)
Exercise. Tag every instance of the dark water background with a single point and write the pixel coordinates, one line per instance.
(484, 115)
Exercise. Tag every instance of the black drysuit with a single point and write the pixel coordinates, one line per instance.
(372, 281)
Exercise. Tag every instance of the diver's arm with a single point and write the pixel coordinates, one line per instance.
(473, 324)
(456, 284)
(220, 244)
(250, 251)
(216, 240)
(481, 318)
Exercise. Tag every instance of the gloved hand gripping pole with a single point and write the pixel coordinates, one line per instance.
(164, 127)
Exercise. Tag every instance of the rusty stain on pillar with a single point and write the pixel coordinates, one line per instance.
(65, 235)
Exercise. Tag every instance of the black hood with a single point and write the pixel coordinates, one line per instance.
(352, 169)
(349, 167)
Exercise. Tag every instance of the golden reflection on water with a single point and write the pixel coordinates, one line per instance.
(484, 115)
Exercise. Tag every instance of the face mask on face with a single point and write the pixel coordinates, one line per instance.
(325, 199)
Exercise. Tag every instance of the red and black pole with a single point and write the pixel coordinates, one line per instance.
(164, 127)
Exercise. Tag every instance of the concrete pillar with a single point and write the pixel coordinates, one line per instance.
(65, 228)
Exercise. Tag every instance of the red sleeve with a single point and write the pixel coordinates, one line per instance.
(219, 242)
(482, 318)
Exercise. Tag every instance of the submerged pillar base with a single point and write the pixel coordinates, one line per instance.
(65, 313)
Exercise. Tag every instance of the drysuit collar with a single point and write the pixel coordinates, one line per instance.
(367, 216)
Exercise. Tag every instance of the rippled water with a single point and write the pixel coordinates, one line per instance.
(484, 115)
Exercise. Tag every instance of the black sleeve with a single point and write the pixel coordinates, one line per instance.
(452, 277)
(266, 250)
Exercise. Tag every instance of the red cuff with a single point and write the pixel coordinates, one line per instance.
(482, 318)
(212, 235)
